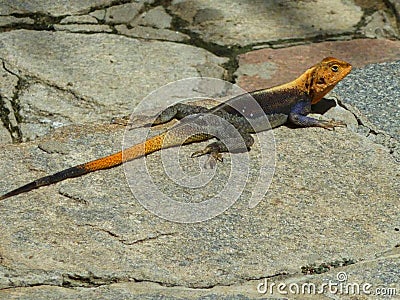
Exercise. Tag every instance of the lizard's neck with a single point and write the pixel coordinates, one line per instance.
(310, 84)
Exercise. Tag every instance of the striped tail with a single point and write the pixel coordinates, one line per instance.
(149, 146)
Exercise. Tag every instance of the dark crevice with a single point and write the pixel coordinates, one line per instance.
(126, 241)
(375, 135)
(14, 130)
(394, 11)
(41, 22)
(89, 281)
(231, 52)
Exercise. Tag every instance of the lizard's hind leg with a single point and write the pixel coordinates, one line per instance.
(233, 145)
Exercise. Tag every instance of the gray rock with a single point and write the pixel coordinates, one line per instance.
(93, 231)
(247, 23)
(99, 77)
(5, 137)
(263, 70)
(123, 14)
(378, 26)
(10, 20)
(99, 14)
(152, 33)
(54, 8)
(156, 17)
(396, 7)
(83, 28)
(85, 19)
(8, 89)
(374, 91)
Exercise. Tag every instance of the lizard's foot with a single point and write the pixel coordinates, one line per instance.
(214, 156)
(331, 124)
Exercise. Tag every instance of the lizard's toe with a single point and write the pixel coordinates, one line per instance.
(331, 124)
(212, 160)
(214, 156)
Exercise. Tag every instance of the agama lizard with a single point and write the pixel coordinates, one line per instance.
(290, 102)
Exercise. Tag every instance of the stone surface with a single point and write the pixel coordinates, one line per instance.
(8, 89)
(152, 33)
(378, 26)
(55, 8)
(248, 23)
(375, 92)
(91, 231)
(79, 20)
(101, 73)
(84, 28)
(10, 20)
(123, 13)
(396, 6)
(99, 14)
(5, 137)
(156, 17)
(268, 67)
(334, 194)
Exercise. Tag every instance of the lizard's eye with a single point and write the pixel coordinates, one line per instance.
(335, 68)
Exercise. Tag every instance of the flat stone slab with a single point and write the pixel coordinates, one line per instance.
(363, 280)
(74, 78)
(248, 23)
(333, 196)
(55, 8)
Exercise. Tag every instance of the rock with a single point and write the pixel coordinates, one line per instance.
(83, 28)
(103, 75)
(10, 20)
(152, 33)
(396, 8)
(8, 89)
(378, 26)
(247, 23)
(156, 17)
(123, 14)
(53, 8)
(374, 92)
(85, 19)
(99, 14)
(5, 137)
(91, 231)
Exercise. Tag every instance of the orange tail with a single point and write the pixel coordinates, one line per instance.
(149, 146)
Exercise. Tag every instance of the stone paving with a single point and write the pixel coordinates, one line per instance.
(332, 205)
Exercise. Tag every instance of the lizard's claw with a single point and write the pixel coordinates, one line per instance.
(124, 121)
(214, 156)
(331, 124)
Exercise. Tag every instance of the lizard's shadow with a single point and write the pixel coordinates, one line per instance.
(319, 108)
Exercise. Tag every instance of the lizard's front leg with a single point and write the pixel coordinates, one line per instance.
(298, 116)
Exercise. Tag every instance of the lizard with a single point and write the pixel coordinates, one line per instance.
(287, 103)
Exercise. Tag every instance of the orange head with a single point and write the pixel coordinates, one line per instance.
(325, 75)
